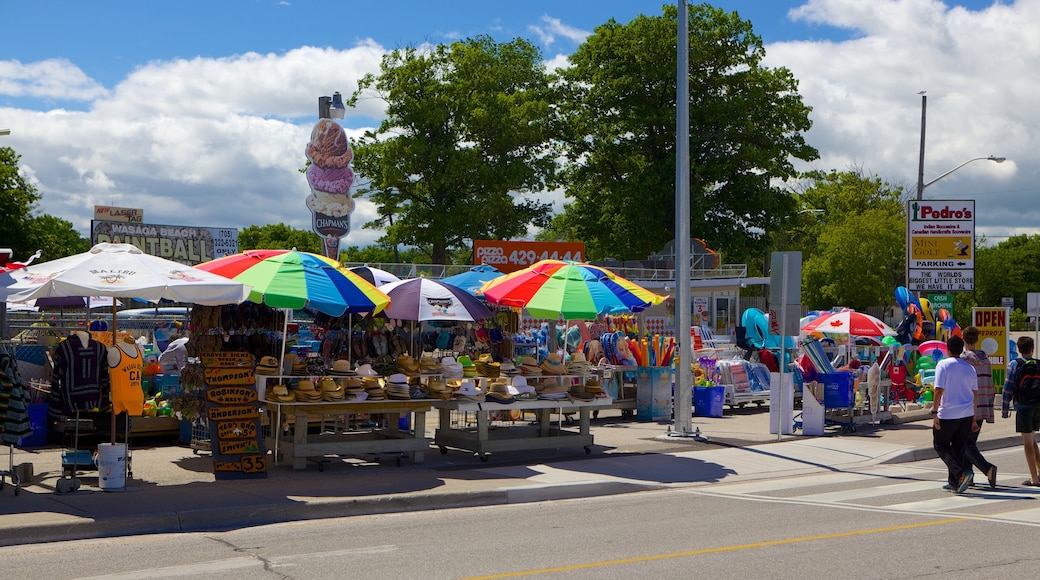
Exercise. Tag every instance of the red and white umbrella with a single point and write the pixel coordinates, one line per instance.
(849, 322)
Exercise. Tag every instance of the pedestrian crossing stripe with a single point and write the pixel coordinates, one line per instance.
(946, 505)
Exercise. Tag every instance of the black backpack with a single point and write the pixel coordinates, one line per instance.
(1027, 383)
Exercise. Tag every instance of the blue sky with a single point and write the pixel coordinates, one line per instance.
(199, 111)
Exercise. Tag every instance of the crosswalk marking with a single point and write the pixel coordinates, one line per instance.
(885, 488)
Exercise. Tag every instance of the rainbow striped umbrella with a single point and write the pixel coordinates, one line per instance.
(575, 290)
(292, 279)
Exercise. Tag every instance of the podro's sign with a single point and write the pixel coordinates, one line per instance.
(185, 244)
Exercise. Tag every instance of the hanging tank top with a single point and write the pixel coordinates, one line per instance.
(127, 394)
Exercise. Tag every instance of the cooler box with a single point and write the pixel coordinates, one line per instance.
(168, 385)
(707, 401)
(653, 393)
(838, 389)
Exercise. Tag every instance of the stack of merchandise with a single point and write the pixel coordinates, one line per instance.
(451, 368)
(594, 387)
(438, 388)
(553, 365)
(508, 368)
(307, 393)
(552, 391)
(397, 387)
(468, 391)
(340, 368)
(498, 392)
(577, 365)
(469, 370)
(429, 365)
(355, 389)
(374, 391)
(331, 390)
(268, 366)
(521, 390)
(408, 365)
(487, 367)
(298, 365)
(366, 371)
(279, 394)
(529, 366)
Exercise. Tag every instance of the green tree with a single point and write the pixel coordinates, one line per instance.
(18, 200)
(466, 134)
(22, 229)
(55, 237)
(618, 126)
(1010, 269)
(853, 239)
(278, 237)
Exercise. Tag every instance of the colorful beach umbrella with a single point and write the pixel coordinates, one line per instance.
(374, 276)
(291, 279)
(575, 290)
(423, 299)
(849, 322)
(473, 280)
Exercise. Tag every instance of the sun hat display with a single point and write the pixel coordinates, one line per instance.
(529, 366)
(508, 368)
(580, 395)
(593, 386)
(366, 370)
(469, 370)
(306, 392)
(577, 365)
(498, 392)
(451, 368)
(468, 390)
(553, 365)
(268, 366)
(552, 391)
(408, 365)
(341, 367)
(487, 367)
(280, 394)
(397, 387)
(429, 365)
(519, 388)
(330, 389)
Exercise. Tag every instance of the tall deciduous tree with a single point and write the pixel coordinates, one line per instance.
(278, 237)
(466, 134)
(856, 251)
(619, 115)
(21, 228)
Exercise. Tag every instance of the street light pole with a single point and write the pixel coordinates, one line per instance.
(920, 162)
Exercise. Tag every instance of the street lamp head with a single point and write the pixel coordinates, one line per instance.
(336, 107)
(997, 159)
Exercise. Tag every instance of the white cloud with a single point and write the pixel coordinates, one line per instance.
(553, 27)
(975, 67)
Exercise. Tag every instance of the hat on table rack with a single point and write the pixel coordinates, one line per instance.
(553, 365)
(519, 387)
(280, 394)
(341, 367)
(397, 387)
(268, 366)
(366, 370)
(468, 390)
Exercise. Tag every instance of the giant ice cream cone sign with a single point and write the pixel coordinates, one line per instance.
(330, 178)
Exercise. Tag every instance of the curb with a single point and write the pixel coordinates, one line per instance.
(926, 453)
(79, 528)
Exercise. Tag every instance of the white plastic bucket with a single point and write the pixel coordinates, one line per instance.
(112, 466)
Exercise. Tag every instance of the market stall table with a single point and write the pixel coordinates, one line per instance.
(301, 444)
(486, 439)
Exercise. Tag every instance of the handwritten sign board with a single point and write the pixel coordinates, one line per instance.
(233, 409)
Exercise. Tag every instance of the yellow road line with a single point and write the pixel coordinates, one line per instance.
(719, 549)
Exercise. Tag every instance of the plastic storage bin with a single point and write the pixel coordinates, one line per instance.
(707, 401)
(837, 389)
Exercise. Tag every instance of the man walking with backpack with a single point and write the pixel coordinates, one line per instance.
(1022, 388)
(954, 414)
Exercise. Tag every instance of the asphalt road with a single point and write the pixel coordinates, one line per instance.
(882, 521)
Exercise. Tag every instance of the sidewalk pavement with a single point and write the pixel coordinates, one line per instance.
(173, 490)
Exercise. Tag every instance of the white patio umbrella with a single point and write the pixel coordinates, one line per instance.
(120, 271)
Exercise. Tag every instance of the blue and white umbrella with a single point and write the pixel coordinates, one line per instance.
(471, 280)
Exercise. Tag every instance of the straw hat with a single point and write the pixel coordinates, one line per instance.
(280, 394)
(497, 397)
(306, 392)
(468, 390)
(268, 366)
(429, 365)
(397, 387)
(553, 364)
(341, 367)
(330, 389)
